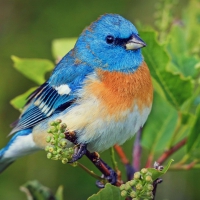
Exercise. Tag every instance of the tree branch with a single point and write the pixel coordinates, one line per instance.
(172, 150)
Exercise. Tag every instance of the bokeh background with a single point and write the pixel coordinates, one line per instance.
(27, 29)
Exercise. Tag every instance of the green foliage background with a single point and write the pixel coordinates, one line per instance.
(27, 29)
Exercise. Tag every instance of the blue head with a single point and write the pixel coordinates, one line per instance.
(111, 43)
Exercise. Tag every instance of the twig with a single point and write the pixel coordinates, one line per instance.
(121, 154)
(185, 167)
(93, 157)
(129, 169)
(137, 149)
(172, 150)
(114, 162)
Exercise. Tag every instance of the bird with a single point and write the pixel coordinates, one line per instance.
(101, 89)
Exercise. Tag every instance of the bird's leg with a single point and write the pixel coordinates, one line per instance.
(80, 149)
(108, 173)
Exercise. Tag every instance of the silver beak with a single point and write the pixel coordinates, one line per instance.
(135, 43)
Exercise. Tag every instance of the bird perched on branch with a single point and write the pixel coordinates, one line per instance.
(101, 89)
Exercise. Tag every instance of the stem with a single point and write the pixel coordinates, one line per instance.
(185, 167)
(129, 169)
(172, 150)
(121, 154)
(89, 172)
(114, 162)
(137, 149)
(149, 161)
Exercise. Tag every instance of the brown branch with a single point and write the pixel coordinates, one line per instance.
(172, 150)
(93, 157)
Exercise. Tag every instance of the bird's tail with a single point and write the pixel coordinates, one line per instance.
(21, 144)
(4, 163)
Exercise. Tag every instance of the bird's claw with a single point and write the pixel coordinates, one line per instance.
(112, 178)
(81, 151)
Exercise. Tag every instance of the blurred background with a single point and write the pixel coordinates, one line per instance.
(27, 29)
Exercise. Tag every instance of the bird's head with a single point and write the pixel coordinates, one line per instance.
(111, 43)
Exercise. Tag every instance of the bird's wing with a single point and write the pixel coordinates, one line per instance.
(55, 95)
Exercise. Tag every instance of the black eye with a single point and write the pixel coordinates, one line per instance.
(110, 39)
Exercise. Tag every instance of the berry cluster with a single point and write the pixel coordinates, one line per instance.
(57, 148)
(140, 187)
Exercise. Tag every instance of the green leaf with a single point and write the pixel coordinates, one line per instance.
(35, 190)
(182, 62)
(59, 193)
(19, 101)
(156, 173)
(192, 22)
(160, 125)
(194, 136)
(62, 46)
(34, 69)
(110, 192)
(172, 84)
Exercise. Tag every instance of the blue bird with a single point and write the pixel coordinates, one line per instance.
(101, 89)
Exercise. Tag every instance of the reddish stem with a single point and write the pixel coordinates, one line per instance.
(121, 154)
(172, 150)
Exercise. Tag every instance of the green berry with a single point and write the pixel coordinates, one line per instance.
(138, 186)
(149, 194)
(137, 175)
(60, 151)
(54, 152)
(127, 186)
(122, 187)
(64, 160)
(47, 148)
(63, 142)
(150, 187)
(49, 155)
(48, 139)
(135, 198)
(133, 194)
(144, 170)
(61, 135)
(51, 149)
(148, 179)
(71, 150)
(53, 141)
(132, 182)
(123, 193)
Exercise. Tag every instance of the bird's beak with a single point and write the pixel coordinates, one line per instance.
(135, 42)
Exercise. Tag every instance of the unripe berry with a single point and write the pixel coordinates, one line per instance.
(48, 139)
(122, 187)
(144, 170)
(64, 160)
(133, 194)
(58, 121)
(150, 187)
(136, 175)
(127, 186)
(148, 179)
(49, 155)
(53, 141)
(123, 193)
(47, 148)
(138, 186)
(132, 182)
(51, 149)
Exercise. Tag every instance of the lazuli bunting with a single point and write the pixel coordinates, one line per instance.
(101, 89)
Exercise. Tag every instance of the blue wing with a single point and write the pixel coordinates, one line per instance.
(55, 95)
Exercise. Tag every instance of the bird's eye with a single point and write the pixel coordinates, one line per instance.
(110, 39)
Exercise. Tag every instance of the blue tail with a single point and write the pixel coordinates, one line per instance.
(20, 145)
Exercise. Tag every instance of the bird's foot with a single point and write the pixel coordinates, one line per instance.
(111, 178)
(79, 153)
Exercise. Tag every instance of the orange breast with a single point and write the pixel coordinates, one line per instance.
(118, 91)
